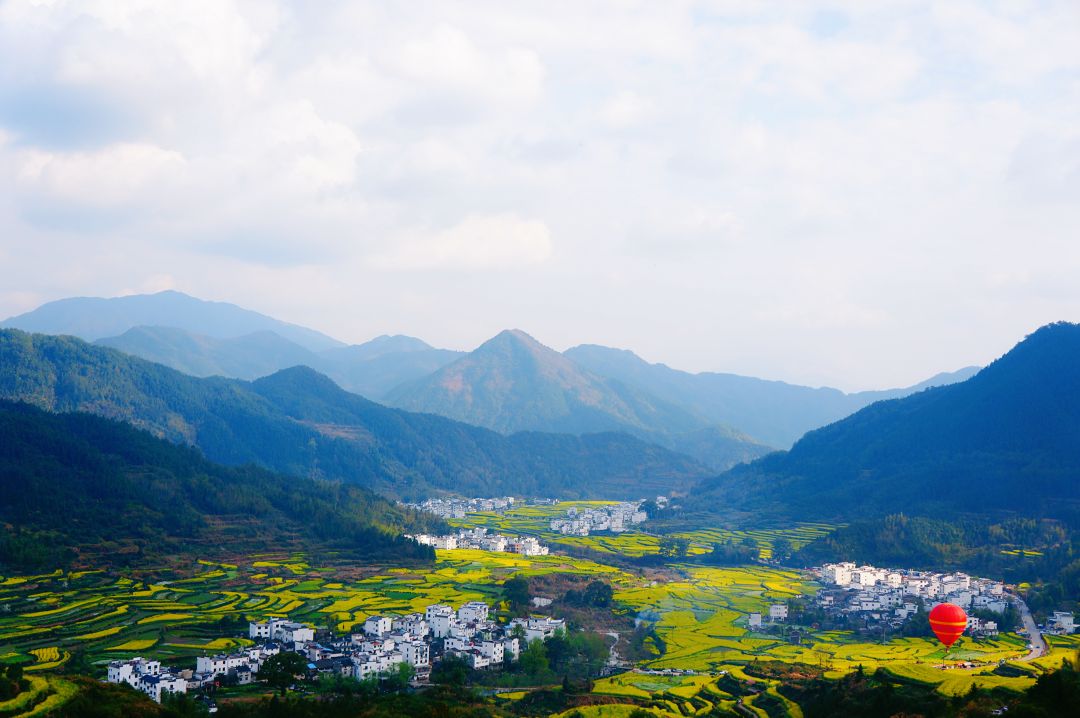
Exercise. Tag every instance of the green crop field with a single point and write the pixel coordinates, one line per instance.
(535, 521)
(50, 617)
(702, 621)
(699, 616)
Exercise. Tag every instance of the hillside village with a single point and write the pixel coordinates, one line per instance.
(478, 538)
(891, 596)
(616, 519)
(456, 508)
(418, 640)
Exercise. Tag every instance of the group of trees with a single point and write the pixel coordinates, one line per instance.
(77, 480)
(596, 594)
(12, 682)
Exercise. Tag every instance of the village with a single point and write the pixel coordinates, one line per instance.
(478, 538)
(614, 518)
(891, 596)
(452, 507)
(384, 643)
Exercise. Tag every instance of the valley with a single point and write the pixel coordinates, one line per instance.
(686, 624)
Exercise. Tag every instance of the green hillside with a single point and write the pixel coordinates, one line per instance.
(1006, 440)
(299, 422)
(77, 485)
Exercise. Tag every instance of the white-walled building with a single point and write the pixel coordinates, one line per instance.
(378, 625)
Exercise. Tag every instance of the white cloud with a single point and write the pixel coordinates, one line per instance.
(118, 175)
(733, 163)
(477, 242)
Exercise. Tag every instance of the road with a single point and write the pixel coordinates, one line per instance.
(1035, 638)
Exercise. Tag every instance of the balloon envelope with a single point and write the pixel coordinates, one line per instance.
(948, 621)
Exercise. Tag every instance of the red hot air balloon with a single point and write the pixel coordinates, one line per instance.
(948, 621)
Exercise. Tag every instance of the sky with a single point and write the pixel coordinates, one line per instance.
(851, 194)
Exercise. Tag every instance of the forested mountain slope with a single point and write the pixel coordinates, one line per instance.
(1007, 439)
(299, 422)
(80, 483)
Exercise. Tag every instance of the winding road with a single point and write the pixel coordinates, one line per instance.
(1035, 638)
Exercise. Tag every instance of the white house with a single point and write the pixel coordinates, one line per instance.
(378, 625)
(156, 686)
(281, 630)
(132, 670)
(538, 628)
(778, 612)
(494, 651)
(441, 619)
(473, 612)
(1061, 622)
(416, 653)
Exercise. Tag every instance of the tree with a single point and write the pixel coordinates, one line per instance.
(516, 592)
(672, 547)
(534, 659)
(450, 671)
(598, 594)
(782, 549)
(399, 678)
(282, 669)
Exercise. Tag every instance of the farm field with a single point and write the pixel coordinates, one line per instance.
(698, 616)
(701, 621)
(101, 617)
(535, 521)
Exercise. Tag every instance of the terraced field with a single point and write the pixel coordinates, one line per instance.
(702, 623)
(51, 617)
(699, 615)
(535, 521)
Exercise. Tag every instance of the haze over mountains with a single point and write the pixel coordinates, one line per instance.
(1006, 440)
(510, 383)
(299, 422)
(1008, 437)
(93, 318)
(774, 412)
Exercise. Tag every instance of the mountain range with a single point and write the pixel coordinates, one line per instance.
(514, 383)
(93, 318)
(510, 383)
(774, 412)
(300, 422)
(1005, 441)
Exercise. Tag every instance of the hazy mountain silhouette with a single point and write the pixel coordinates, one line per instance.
(93, 318)
(774, 412)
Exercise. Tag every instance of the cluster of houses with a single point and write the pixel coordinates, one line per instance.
(892, 596)
(614, 518)
(383, 643)
(456, 508)
(1060, 623)
(479, 538)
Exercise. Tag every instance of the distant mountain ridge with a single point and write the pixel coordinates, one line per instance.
(1006, 440)
(774, 412)
(299, 422)
(93, 318)
(721, 419)
(514, 383)
(205, 338)
(370, 369)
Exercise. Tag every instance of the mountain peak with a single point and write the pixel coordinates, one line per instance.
(94, 318)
